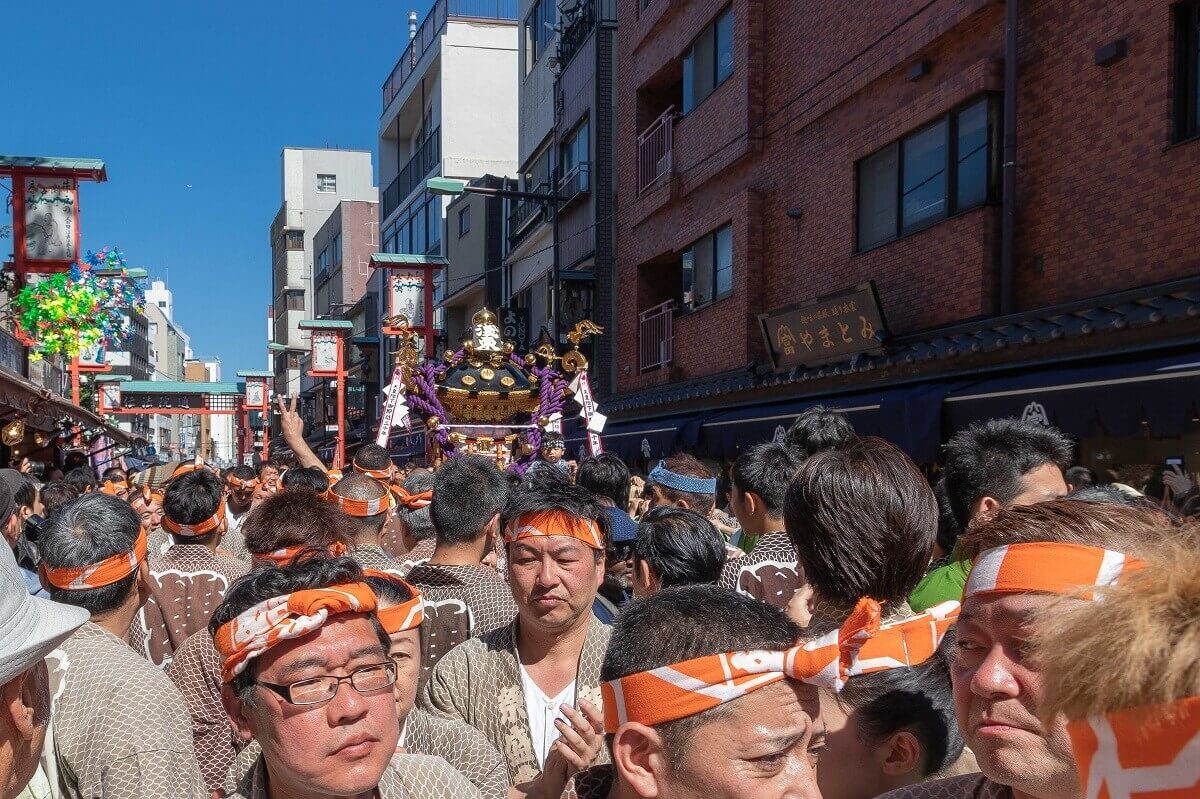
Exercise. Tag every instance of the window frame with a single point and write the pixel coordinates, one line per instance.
(287, 300)
(689, 55)
(710, 239)
(464, 214)
(335, 246)
(535, 35)
(324, 179)
(1185, 82)
(951, 207)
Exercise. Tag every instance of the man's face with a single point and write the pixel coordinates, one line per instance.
(406, 652)
(996, 697)
(765, 745)
(618, 562)
(553, 580)
(242, 494)
(269, 474)
(340, 747)
(151, 516)
(737, 505)
(1041, 485)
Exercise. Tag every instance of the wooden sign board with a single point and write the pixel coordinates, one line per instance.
(825, 330)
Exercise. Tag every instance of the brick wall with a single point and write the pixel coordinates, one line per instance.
(1103, 203)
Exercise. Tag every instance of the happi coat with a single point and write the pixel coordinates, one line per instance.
(479, 682)
(769, 574)
(406, 777)
(461, 602)
(120, 726)
(196, 671)
(187, 585)
(966, 786)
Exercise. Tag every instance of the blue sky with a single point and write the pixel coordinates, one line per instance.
(204, 94)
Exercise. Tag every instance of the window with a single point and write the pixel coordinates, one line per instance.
(323, 262)
(709, 61)
(464, 221)
(295, 301)
(327, 184)
(708, 268)
(336, 246)
(1187, 70)
(433, 224)
(575, 154)
(537, 30)
(944, 168)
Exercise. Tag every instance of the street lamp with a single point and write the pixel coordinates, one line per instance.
(328, 360)
(452, 187)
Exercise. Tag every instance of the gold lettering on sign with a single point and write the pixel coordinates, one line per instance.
(844, 328)
(867, 331)
(807, 340)
(826, 341)
(787, 341)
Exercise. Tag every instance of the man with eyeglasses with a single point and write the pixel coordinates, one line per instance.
(308, 677)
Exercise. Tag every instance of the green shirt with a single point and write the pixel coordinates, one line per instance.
(943, 584)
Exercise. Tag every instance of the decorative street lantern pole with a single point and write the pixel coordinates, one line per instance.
(329, 360)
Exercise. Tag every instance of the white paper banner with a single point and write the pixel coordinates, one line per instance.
(581, 387)
(395, 409)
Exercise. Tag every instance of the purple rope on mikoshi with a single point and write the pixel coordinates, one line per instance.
(425, 400)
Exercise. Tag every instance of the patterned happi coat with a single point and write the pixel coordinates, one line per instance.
(407, 777)
(967, 786)
(461, 602)
(479, 682)
(196, 671)
(187, 585)
(120, 726)
(769, 574)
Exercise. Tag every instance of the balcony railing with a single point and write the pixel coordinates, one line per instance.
(575, 183)
(654, 150)
(524, 217)
(431, 28)
(418, 167)
(655, 336)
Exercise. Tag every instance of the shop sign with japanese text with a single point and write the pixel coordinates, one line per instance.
(828, 329)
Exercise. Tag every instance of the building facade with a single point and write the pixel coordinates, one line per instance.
(168, 352)
(769, 162)
(313, 182)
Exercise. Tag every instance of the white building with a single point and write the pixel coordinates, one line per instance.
(449, 110)
(313, 182)
(169, 347)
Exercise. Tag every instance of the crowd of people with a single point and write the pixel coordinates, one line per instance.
(819, 619)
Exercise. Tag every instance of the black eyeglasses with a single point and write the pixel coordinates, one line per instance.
(316, 690)
(621, 551)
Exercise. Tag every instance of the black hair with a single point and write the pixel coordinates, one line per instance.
(267, 583)
(818, 429)
(86, 531)
(26, 494)
(863, 520)
(765, 470)
(916, 699)
(291, 519)
(552, 440)
(680, 546)
(1078, 477)
(1111, 495)
(372, 456)
(418, 520)
(113, 471)
(56, 495)
(309, 478)
(989, 459)
(686, 622)
(82, 478)
(393, 592)
(468, 490)
(605, 476)
(550, 490)
(948, 529)
(243, 472)
(270, 462)
(190, 499)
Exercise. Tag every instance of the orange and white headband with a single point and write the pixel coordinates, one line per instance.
(146, 497)
(187, 468)
(113, 487)
(106, 572)
(542, 523)
(861, 646)
(379, 474)
(233, 481)
(1144, 752)
(421, 499)
(404, 616)
(199, 528)
(334, 475)
(1047, 567)
(283, 618)
(285, 555)
(361, 508)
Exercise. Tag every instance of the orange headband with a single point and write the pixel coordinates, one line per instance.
(361, 508)
(412, 501)
(146, 497)
(284, 556)
(236, 482)
(405, 616)
(106, 572)
(283, 618)
(334, 475)
(187, 468)
(555, 522)
(1147, 752)
(1051, 568)
(378, 474)
(200, 528)
(861, 646)
(110, 487)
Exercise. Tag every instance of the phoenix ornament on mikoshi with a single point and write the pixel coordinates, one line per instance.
(485, 398)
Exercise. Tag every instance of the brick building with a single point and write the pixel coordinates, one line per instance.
(767, 159)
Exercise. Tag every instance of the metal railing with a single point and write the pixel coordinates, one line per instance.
(654, 150)
(656, 338)
(431, 28)
(575, 182)
(421, 164)
(525, 215)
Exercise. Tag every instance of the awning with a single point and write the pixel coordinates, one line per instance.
(727, 434)
(648, 439)
(1116, 398)
(42, 409)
